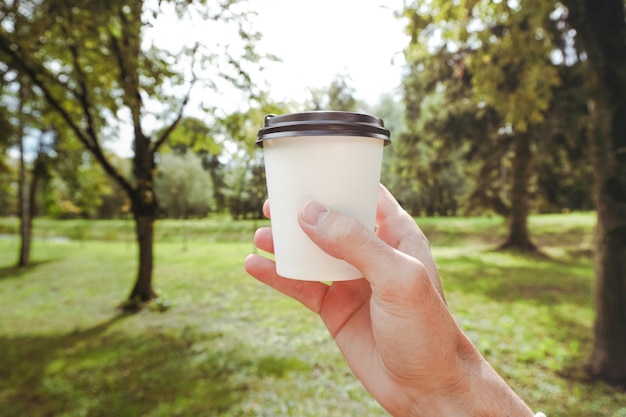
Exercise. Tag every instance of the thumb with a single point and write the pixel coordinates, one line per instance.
(348, 239)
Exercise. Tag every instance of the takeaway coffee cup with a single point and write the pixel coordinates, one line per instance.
(329, 156)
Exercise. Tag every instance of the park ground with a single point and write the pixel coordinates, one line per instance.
(218, 343)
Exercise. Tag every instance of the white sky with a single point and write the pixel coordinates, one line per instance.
(317, 40)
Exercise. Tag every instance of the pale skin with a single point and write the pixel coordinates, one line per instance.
(393, 326)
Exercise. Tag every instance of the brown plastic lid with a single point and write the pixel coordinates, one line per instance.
(323, 123)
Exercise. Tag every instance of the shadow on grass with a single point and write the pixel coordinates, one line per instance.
(99, 373)
(19, 271)
(533, 278)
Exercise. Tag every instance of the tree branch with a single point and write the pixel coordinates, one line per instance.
(23, 67)
(128, 79)
(166, 133)
(82, 92)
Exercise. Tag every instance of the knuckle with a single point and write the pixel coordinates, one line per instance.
(417, 288)
(347, 237)
(355, 232)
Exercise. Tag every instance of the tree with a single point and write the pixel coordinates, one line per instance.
(597, 45)
(54, 174)
(454, 151)
(8, 201)
(601, 33)
(193, 135)
(184, 187)
(24, 209)
(564, 176)
(492, 67)
(27, 190)
(78, 183)
(390, 108)
(95, 68)
(26, 131)
(339, 96)
(245, 170)
(6, 133)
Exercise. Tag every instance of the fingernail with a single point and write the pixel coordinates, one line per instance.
(313, 213)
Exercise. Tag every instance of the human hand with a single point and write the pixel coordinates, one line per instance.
(393, 326)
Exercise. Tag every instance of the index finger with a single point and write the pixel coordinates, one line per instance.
(266, 208)
(394, 224)
(398, 229)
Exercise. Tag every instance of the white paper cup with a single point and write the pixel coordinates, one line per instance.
(332, 157)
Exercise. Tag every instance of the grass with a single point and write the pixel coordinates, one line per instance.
(229, 346)
(216, 229)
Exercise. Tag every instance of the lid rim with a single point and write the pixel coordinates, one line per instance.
(313, 133)
(323, 123)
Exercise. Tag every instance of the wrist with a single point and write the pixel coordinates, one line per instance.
(476, 391)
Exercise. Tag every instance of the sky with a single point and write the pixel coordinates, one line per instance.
(317, 40)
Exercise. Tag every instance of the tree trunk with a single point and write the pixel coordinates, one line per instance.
(25, 212)
(142, 290)
(22, 187)
(144, 207)
(28, 198)
(601, 30)
(608, 358)
(212, 163)
(144, 213)
(519, 238)
(39, 169)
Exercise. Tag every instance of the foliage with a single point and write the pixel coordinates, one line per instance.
(564, 175)
(503, 45)
(390, 108)
(78, 186)
(482, 81)
(110, 76)
(194, 135)
(8, 194)
(66, 179)
(339, 96)
(185, 189)
(6, 127)
(244, 178)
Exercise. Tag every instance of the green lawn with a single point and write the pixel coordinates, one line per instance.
(229, 346)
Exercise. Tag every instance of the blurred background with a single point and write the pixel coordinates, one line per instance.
(127, 162)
